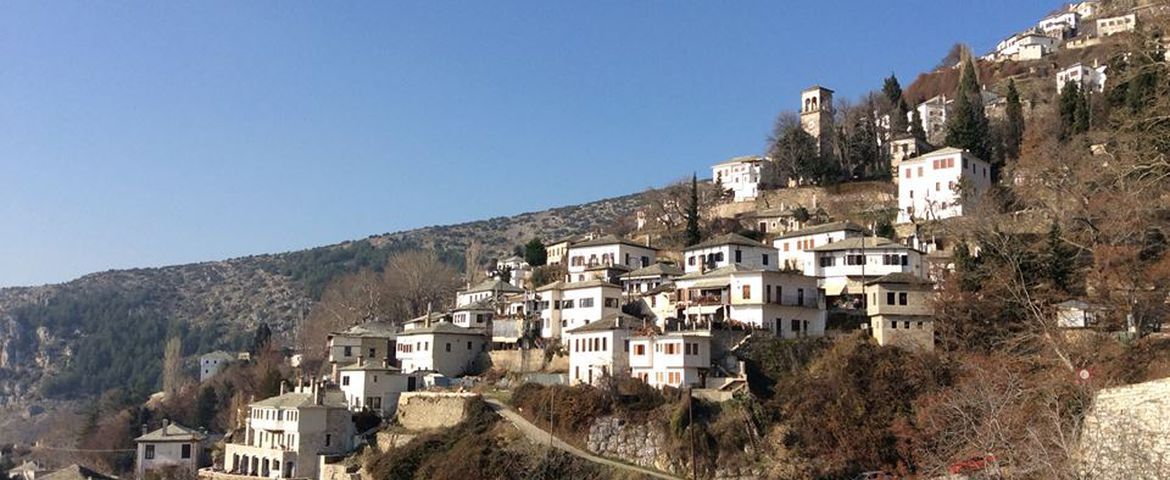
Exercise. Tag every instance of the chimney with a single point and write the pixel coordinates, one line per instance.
(283, 387)
(144, 430)
(166, 423)
(385, 363)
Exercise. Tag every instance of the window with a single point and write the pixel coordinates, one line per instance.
(889, 298)
(149, 452)
(349, 351)
(627, 346)
(566, 304)
(345, 379)
(828, 261)
(765, 258)
(907, 173)
(670, 348)
(911, 193)
(691, 260)
(855, 259)
(747, 292)
(905, 260)
(186, 451)
(796, 327)
(586, 303)
(639, 349)
(785, 246)
(920, 172)
(371, 353)
(768, 294)
(611, 303)
(902, 298)
(936, 186)
(738, 256)
(645, 261)
(800, 296)
(469, 345)
(328, 439)
(604, 344)
(448, 346)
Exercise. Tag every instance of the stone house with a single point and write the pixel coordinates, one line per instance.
(743, 176)
(607, 251)
(371, 342)
(565, 306)
(375, 386)
(729, 249)
(171, 447)
(786, 304)
(843, 267)
(795, 249)
(900, 312)
(441, 346)
(211, 363)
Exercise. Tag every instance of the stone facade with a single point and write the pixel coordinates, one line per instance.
(1127, 432)
(646, 445)
(431, 410)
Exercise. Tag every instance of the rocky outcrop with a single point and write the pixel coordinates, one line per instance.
(1126, 434)
(638, 444)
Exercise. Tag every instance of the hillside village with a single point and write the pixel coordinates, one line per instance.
(893, 237)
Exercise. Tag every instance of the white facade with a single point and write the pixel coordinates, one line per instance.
(566, 306)
(900, 311)
(795, 248)
(1060, 26)
(1077, 314)
(649, 278)
(441, 347)
(607, 251)
(211, 364)
(844, 266)
(786, 304)
(1114, 25)
(1090, 78)
(933, 113)
(674, 359)
(1085, 9)
(486, 290)
(172, 446)
(730, 249)
(941, 184)
(286, 434)
(375, 387)
(1026, 46)
(744, 176)
(599, 349)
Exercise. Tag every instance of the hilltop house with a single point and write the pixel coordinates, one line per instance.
(600, 348)
(432, 343)
(1115, 25)
(285, 436)
(648, 278)
(745, 176)
(1024, 46)
(1086, 9)
(1060, 25)
(935, 110)
(566, 306)
(844, 266)
(729, 249)
(557, 251)
(899, 311)
(592, 259)
(675, 359)
(786, 304)
(375, 386)
(795, 248)
(211, 363)
(477, 315)
(771, 220)
(1091, 79)
(172, 447)
(372, 342)
(490, 289)
(941, 184)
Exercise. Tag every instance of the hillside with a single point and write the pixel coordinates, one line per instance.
(106, 330)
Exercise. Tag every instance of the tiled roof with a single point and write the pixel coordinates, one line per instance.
(491, 285)
(611, 240)
(741, 159)
(75, 472)
(440, 327)
(562, 285)
(718, 272)
(371, 329)
(727, 239)
(616, 321)
(368, 366)
(823, 228)
(858, 243)
(218, 355)
(172, 432)
(656, 270)
(332, 398)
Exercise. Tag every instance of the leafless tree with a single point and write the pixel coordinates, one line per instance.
(173, 377)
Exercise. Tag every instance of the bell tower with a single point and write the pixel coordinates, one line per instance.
(816, 115)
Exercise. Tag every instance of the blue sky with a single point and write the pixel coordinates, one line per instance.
(154, 133)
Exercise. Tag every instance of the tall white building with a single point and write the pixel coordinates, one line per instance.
(566, 306)
(786, 304)
(941, 184)
(796, 248)
(609, 251)
(1115, 25)
(672, 359)
(600, 348)
(744, 176)
(375, 386)
(729, 249)
(211, 363)
(440, 346)
(1090, 78)
(843, 267)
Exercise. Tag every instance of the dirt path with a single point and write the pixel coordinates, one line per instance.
(540, 436)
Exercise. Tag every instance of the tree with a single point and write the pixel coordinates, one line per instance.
(897, 105)
(471, 266)
(535, 253)
(1059, 257)
(173, 366)
(795, 153)
(1014, 123)
(261, 338)
(693, 235)
(885, 229)
(1073, 107)
(861, 155)
(916, 128)
(967, 125)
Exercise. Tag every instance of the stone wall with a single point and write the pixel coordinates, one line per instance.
(385, 441)
(1126, 434)
(839, 201)
(646, 445)
(430, 410)
(528, 360)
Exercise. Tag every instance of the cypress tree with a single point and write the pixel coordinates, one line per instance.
(893, 92)
(916, 129)
(1014, 128)
(967, 127)
(693, 234)
(1059, 261)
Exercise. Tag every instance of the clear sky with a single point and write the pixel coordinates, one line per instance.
(136, 134)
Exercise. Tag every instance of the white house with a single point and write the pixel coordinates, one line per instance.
(375, 386)
(645, 279)
(844, 266)
(171, 447)
(1090, 78)
(285, 436)
(795, 248)
(674, 359)
(211, 363)
(1025, 46)
(371, 342)
(729, 249)
(600, 348)
(1086, 9)
(1060, 25)
(442, 347)
(786, 304)
(1077, 314)
(607, 251)
(557, 250)
(518, 270)
(491, 288)
(935, 110)
(941, 184)
(900, 312)
(477, 315)
(771, 220)
(566, 306)
(744, 176)
(1114, 25)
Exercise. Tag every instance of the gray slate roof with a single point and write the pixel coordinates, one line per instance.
(172, 433)
(75, 472)
(493, 284)
(611, 240)
(656, 270)
(900, 278)
(563, 285)
(333, 398)
(615, 321)
(218, 355)
(355, 366)
(823, 228)
(857, 243)
(727, 239)
(440, 327)
(372, 329)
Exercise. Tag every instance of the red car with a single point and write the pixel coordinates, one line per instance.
(973, 464)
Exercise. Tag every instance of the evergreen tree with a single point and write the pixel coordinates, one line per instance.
(693, 236)
(967, 126)
(966, 268)
(885, 229)
(916, 129)
(261, 338)
(1073, 107)
(1058, 264)
(535, 253)
(893, 93)
(205, 407)
(1014, 128)
(1081, 120)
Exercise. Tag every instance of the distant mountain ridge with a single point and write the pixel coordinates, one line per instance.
(72, 338)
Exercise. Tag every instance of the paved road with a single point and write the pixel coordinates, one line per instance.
(538, 435)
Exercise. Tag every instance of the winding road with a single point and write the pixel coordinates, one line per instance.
(540, 436)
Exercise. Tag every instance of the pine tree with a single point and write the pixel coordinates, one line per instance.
(916, 129)
(1081, 121)
(967, 127)
(1073, 107)
(1058, 265)
(1014, 128)
(535, 253)
(693, 235)
(893, 93)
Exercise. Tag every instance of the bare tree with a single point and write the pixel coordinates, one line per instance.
(471, 267)
(173, 377)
